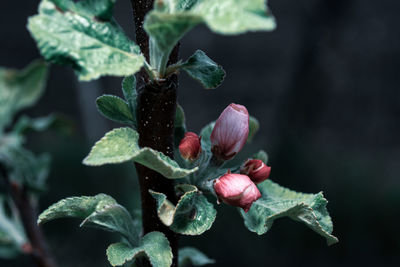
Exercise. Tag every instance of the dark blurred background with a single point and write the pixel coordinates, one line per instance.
(325, 87)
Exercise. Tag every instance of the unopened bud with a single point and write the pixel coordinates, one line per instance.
(230, 132)
(190, 146)
(257, 170)
(236, 190)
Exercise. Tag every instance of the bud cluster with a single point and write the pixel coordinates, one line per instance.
(227, 138)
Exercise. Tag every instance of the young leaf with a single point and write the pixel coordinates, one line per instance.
(193, 215)
(165, 31)
(189, 256)
(203, 69)
(129, 91)
(25, 167)
(54, 121)
(205, 134)
(154, 246)
(121, 145)
(100, 211)
(277, 202)
(20, 89)
(180, 125)
(254, 126)
(114, 108)
(170, 20)
(72, 34)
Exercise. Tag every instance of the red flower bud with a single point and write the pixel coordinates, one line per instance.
(230, 132)
(256, 170)
(236, 190)
(190, 146)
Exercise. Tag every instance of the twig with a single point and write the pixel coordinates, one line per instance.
(20, 197)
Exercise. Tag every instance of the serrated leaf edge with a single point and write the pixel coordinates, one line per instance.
(121, 159)
(140, 251)
(195, 190)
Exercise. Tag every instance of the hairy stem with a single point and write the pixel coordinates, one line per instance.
(155, 115)
(28, 214)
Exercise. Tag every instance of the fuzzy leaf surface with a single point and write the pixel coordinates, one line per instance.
(203, 69)
(277, 202)
(72, 34)
(20, 89)
(154, 246)
(189, 256)
(193, 215)
(100, 211)
(170, 20)
(129, 91)
(12, 234)
(121, 145)
(114, 108)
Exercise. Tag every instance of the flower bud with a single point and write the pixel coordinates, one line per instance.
(236, 190)
(256, 170)
(230, 132)
(190, 146)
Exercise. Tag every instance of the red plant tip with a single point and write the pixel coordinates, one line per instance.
(190, 146)
(230, 132)
(236, 190)
(257, 170)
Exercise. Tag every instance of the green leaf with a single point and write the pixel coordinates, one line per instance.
(193, 215)
(20, 89)
(55, 121)
(189, 256)
(205, 134)
(235, 16)
(165, 31)
(72, 34)
(129, 91)
(25, 167)
(100, 211)
(203, 69)
(154, 246)
(114, 108)
(121, 145)
(179, 124)
(12, 234)
(101, 9)
(171, 20)
(254, 126)
(261, 155)
(277, 202)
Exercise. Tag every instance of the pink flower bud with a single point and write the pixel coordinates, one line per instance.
(190, 146)
(256, 170)
(230, 132)
(236, 190)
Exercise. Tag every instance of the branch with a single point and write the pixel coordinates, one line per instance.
(155, 113)
(20, 197)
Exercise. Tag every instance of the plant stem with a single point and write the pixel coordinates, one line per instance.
(155, 115)
(28, 214)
